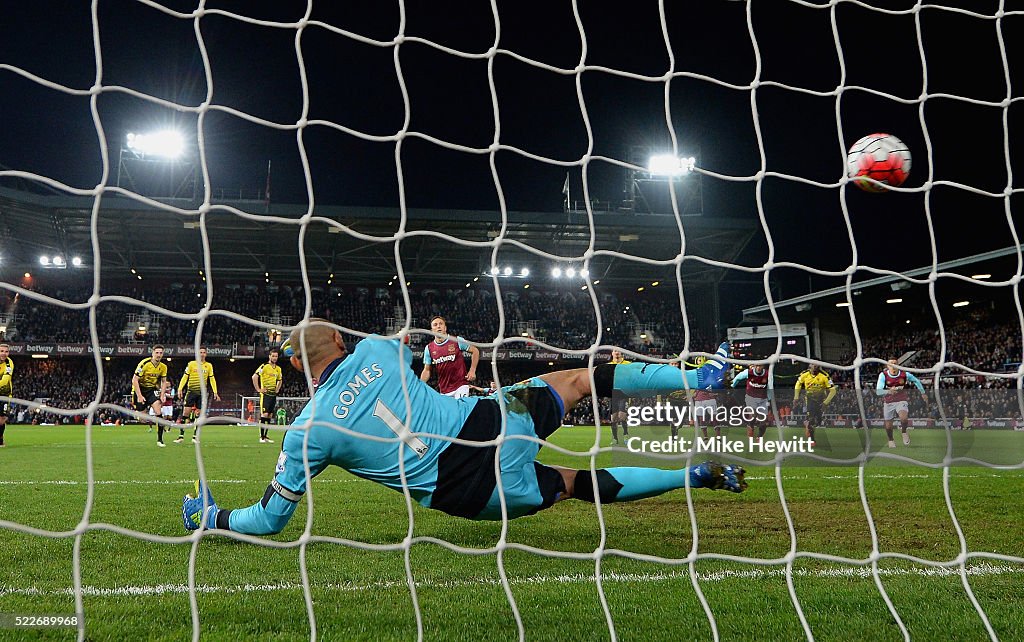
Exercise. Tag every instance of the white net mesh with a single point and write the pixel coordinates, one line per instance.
(493, 72)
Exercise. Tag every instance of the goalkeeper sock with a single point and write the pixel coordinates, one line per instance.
(646, 377)
(626, 484)
(266, 517)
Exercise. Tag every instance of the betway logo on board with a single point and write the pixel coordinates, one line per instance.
(130, 350)
(120, 350)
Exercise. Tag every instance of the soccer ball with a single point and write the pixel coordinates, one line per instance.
(882, 157)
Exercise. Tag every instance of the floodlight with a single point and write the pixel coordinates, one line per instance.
(494, 271)
(584, 273)
(524, 272)
(556, 272)
(669, 165)
(979, 277)
(508, 271)
(960, 304)
(164, 144)
(896, 300)
(571, 272)
(58, 261)
(44, 260)
(76, 261)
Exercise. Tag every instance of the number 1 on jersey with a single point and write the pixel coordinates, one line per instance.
(382, 412)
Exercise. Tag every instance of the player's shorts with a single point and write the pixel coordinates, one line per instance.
(167, 412)
(815, 410)
(761, 406)
(757, 402)
(466, 485)
(891, 411)
(193, 399)
(151, 396)
(458, 393)
(267, 403)
(704, 412)
(5, 409)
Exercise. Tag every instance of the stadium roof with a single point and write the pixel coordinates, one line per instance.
(988, 278)
(247, 238)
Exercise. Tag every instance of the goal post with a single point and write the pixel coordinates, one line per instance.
(283, 414)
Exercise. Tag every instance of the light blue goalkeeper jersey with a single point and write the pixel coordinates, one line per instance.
(364, 396)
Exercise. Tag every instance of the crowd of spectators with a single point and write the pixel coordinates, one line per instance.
(563, 319)
(560, 318)
(981, 341)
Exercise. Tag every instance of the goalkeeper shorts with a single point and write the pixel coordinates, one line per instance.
(466, 483)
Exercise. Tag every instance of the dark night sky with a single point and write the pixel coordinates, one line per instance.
(354, 84)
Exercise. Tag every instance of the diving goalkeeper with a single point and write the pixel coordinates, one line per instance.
(359, 419)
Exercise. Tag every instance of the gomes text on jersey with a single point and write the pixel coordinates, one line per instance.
(352, 388)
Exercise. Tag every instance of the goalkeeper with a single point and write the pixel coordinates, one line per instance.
(357, 421)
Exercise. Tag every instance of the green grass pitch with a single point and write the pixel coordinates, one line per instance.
(134, 558)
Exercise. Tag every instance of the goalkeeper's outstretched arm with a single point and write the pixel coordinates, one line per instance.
(266, 517)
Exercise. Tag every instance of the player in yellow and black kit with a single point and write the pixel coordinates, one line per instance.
(267, 380)
(190, 388)
(819, 391)
(149, 384)
(6, 387)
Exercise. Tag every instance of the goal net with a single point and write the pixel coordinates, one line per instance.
(559, 181)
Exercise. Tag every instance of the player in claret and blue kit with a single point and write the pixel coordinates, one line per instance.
(892, 387)
(760, 386)
(372, 416)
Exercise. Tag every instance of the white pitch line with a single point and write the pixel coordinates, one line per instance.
(356, 480)
(980, 570)
(160, 482)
